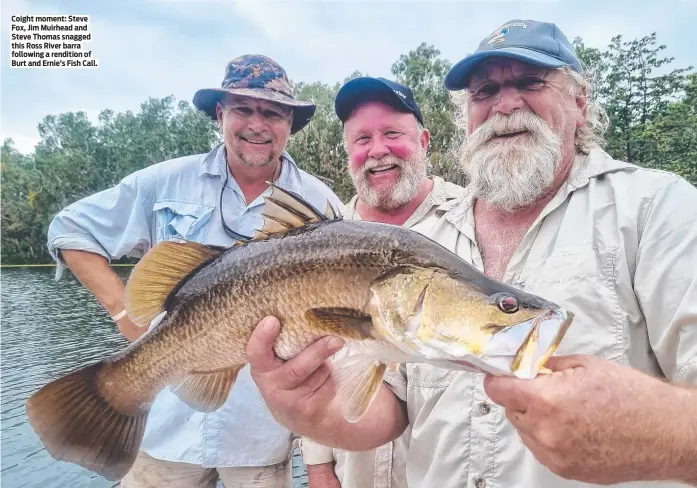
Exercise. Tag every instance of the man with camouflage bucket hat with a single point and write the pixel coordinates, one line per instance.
(259, 77)
(210, 198)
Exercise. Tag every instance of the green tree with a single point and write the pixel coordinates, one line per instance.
(673, 135)
(424, 72)
(21, 223)
(635, 88)
(76, 158)
(319, 147)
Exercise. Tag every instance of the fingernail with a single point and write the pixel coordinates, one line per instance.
(269, 324)
(334, 343)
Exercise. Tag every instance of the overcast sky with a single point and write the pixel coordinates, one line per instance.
(173, 47)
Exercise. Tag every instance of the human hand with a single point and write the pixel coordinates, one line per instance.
(298, 392)
(597, 421)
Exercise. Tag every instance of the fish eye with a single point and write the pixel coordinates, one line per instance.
(507, 303)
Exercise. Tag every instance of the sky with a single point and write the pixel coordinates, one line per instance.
(156, 48)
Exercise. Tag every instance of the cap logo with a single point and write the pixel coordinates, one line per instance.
(499, 34)
(399, 93)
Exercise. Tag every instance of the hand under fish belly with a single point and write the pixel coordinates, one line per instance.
(390, 293)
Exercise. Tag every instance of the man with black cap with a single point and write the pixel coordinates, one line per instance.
(387, 145)
(209, 198)
(550, 212)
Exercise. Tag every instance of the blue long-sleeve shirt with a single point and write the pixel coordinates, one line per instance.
(180, 198)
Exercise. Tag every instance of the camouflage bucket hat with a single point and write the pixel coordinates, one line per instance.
(256, 76)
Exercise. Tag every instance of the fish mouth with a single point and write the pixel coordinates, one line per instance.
(523, 349)
(544, 338)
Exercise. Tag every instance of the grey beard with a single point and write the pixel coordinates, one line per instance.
(510, 175)
(412, 174)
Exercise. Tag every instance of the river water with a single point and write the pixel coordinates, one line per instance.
(49, 328)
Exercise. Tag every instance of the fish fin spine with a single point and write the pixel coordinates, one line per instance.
(285, 210)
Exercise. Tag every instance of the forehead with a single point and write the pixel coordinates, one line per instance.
(501, 68)
(377, 114)
(255, 103)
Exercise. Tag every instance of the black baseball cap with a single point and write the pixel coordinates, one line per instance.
(368, 89)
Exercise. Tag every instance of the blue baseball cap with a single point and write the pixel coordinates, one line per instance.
(539, 43)
(368, 89)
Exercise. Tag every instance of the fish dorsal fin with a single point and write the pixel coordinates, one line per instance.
(285, 210)
(157, 275)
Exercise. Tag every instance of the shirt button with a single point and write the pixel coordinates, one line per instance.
(484, 408)
(480, 483)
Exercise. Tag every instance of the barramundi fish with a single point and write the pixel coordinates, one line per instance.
(390, 293)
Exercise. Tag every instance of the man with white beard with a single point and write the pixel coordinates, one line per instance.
(387, 146)
(550, 212)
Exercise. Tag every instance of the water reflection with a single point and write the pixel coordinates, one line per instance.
(48, 329)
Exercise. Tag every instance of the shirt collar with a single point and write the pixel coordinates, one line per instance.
(215, 164)
(440, 196)
(586, 167)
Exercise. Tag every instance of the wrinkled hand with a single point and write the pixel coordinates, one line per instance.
(298, 392)
(593, 420)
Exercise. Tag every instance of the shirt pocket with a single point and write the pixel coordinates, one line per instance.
(181, 220)
(583, 279)
(425, 385)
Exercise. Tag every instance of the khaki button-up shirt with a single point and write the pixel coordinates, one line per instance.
(617, 246)
(383, 467)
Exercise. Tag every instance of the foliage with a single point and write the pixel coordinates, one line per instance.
(652, 111)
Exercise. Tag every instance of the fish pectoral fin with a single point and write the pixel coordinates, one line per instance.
(159, 273)
(358, 378)
(76, 422)
(345, 322)
(207, 391)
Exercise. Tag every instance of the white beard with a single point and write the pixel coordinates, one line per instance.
(412, 175)
(512, 174)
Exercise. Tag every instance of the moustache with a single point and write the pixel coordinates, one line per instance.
(501, 125)
(390, 160)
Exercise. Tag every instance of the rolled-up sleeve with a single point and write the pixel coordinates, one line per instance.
(112, 223)
(314, 453)
(665, 281)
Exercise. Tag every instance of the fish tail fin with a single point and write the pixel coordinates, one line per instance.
(358, 378)
(77, 424)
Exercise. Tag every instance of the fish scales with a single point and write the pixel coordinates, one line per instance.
(392, 294)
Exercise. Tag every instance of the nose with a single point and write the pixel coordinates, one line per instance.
(378, 148)
(508, 99)
(257, 122)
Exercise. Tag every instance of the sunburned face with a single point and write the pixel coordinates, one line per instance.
(387, 155)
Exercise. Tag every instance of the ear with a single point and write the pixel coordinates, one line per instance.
(219, 113)
(582, 105)
(425, 138)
